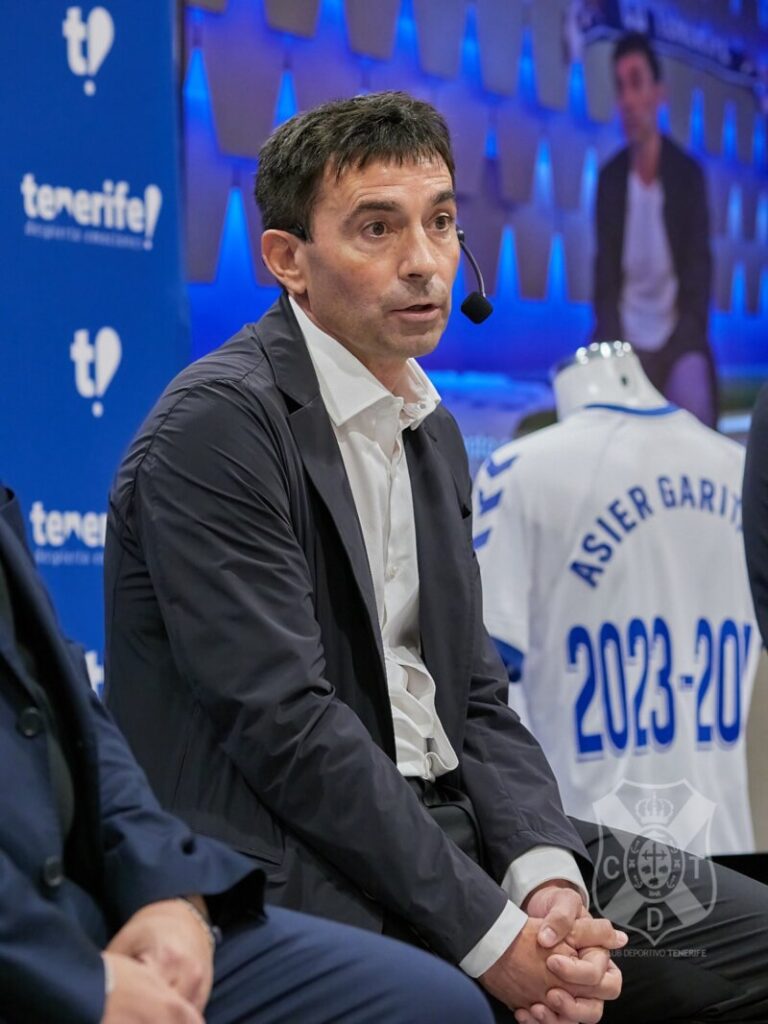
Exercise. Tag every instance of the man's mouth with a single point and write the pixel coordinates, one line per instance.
(418, 311)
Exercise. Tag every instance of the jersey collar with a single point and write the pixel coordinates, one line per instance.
(659, 410)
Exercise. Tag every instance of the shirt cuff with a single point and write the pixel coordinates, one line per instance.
(539, 865)
(496, 941)
(109, 977)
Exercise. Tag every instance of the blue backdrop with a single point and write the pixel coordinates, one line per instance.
(91, 290)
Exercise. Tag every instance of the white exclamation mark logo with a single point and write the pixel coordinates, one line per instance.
(95, 364)
(153, 200)
(100, 36)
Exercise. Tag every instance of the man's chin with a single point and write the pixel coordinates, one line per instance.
(413, 342)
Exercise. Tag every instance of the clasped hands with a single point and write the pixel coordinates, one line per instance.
(558, 970)
(161, 966)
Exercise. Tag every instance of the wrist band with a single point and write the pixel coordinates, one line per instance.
(213, 933)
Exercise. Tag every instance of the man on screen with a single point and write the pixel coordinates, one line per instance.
(653, 263)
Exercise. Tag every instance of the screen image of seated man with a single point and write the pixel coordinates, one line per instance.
(100, 914)
(296, 648)
(653, 264)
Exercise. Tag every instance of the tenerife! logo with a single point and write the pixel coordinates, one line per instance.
(95, 364)
(110, 216)
(67, 537)
(646, 876)
(88, 43)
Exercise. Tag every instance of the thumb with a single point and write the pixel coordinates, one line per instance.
(560, 918)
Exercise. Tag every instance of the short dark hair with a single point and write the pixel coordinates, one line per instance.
(637, 42)
(387, 126)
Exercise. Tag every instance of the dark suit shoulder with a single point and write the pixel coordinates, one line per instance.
(616, 167)
(240, 361)
(230, 386)
(679, 160)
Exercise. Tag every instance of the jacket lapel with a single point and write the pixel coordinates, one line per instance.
(618, 203)
(312, 431)
(9, 655)
(672, 199)
(11, 528)
(445, 574)
(35, 604)
(320, 454)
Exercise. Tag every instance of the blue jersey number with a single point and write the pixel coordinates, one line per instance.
(631, 721)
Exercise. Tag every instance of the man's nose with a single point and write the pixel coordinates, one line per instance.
(417, 257)
(628, 98)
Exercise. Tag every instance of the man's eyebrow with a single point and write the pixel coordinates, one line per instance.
(388, 206)
(375, 206)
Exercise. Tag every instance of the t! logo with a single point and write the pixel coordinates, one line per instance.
(95, 671)
(88, 42)
(103, 355)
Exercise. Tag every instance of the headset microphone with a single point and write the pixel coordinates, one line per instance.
(476, 305)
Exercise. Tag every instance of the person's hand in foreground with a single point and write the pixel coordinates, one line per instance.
(160, 965)
(140, 996)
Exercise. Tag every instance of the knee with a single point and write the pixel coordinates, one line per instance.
(439, 993)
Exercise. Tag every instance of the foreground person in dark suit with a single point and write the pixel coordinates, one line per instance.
(755, 510)
(99, 920)
(295, 640)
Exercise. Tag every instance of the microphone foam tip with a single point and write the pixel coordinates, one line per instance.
(476, 307)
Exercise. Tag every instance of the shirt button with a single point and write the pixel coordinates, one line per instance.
(30, 722)
(391, 572)
(52, 872)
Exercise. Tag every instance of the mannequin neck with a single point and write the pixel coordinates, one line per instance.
(604, 374)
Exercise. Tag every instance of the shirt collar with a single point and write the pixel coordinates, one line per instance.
(348, 388)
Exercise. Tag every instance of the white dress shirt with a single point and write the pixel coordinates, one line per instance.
(648, 303)
(368, 421)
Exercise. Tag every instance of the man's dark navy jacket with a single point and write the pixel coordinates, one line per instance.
(63, 897)
(244, 657)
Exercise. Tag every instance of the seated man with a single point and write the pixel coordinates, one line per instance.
(295, 639)
(100, 913)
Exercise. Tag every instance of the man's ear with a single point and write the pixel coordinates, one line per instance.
(278, 250)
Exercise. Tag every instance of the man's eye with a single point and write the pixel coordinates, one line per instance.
(443, 222)
(378, 229)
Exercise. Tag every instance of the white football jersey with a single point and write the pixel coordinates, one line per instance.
(612, 561)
